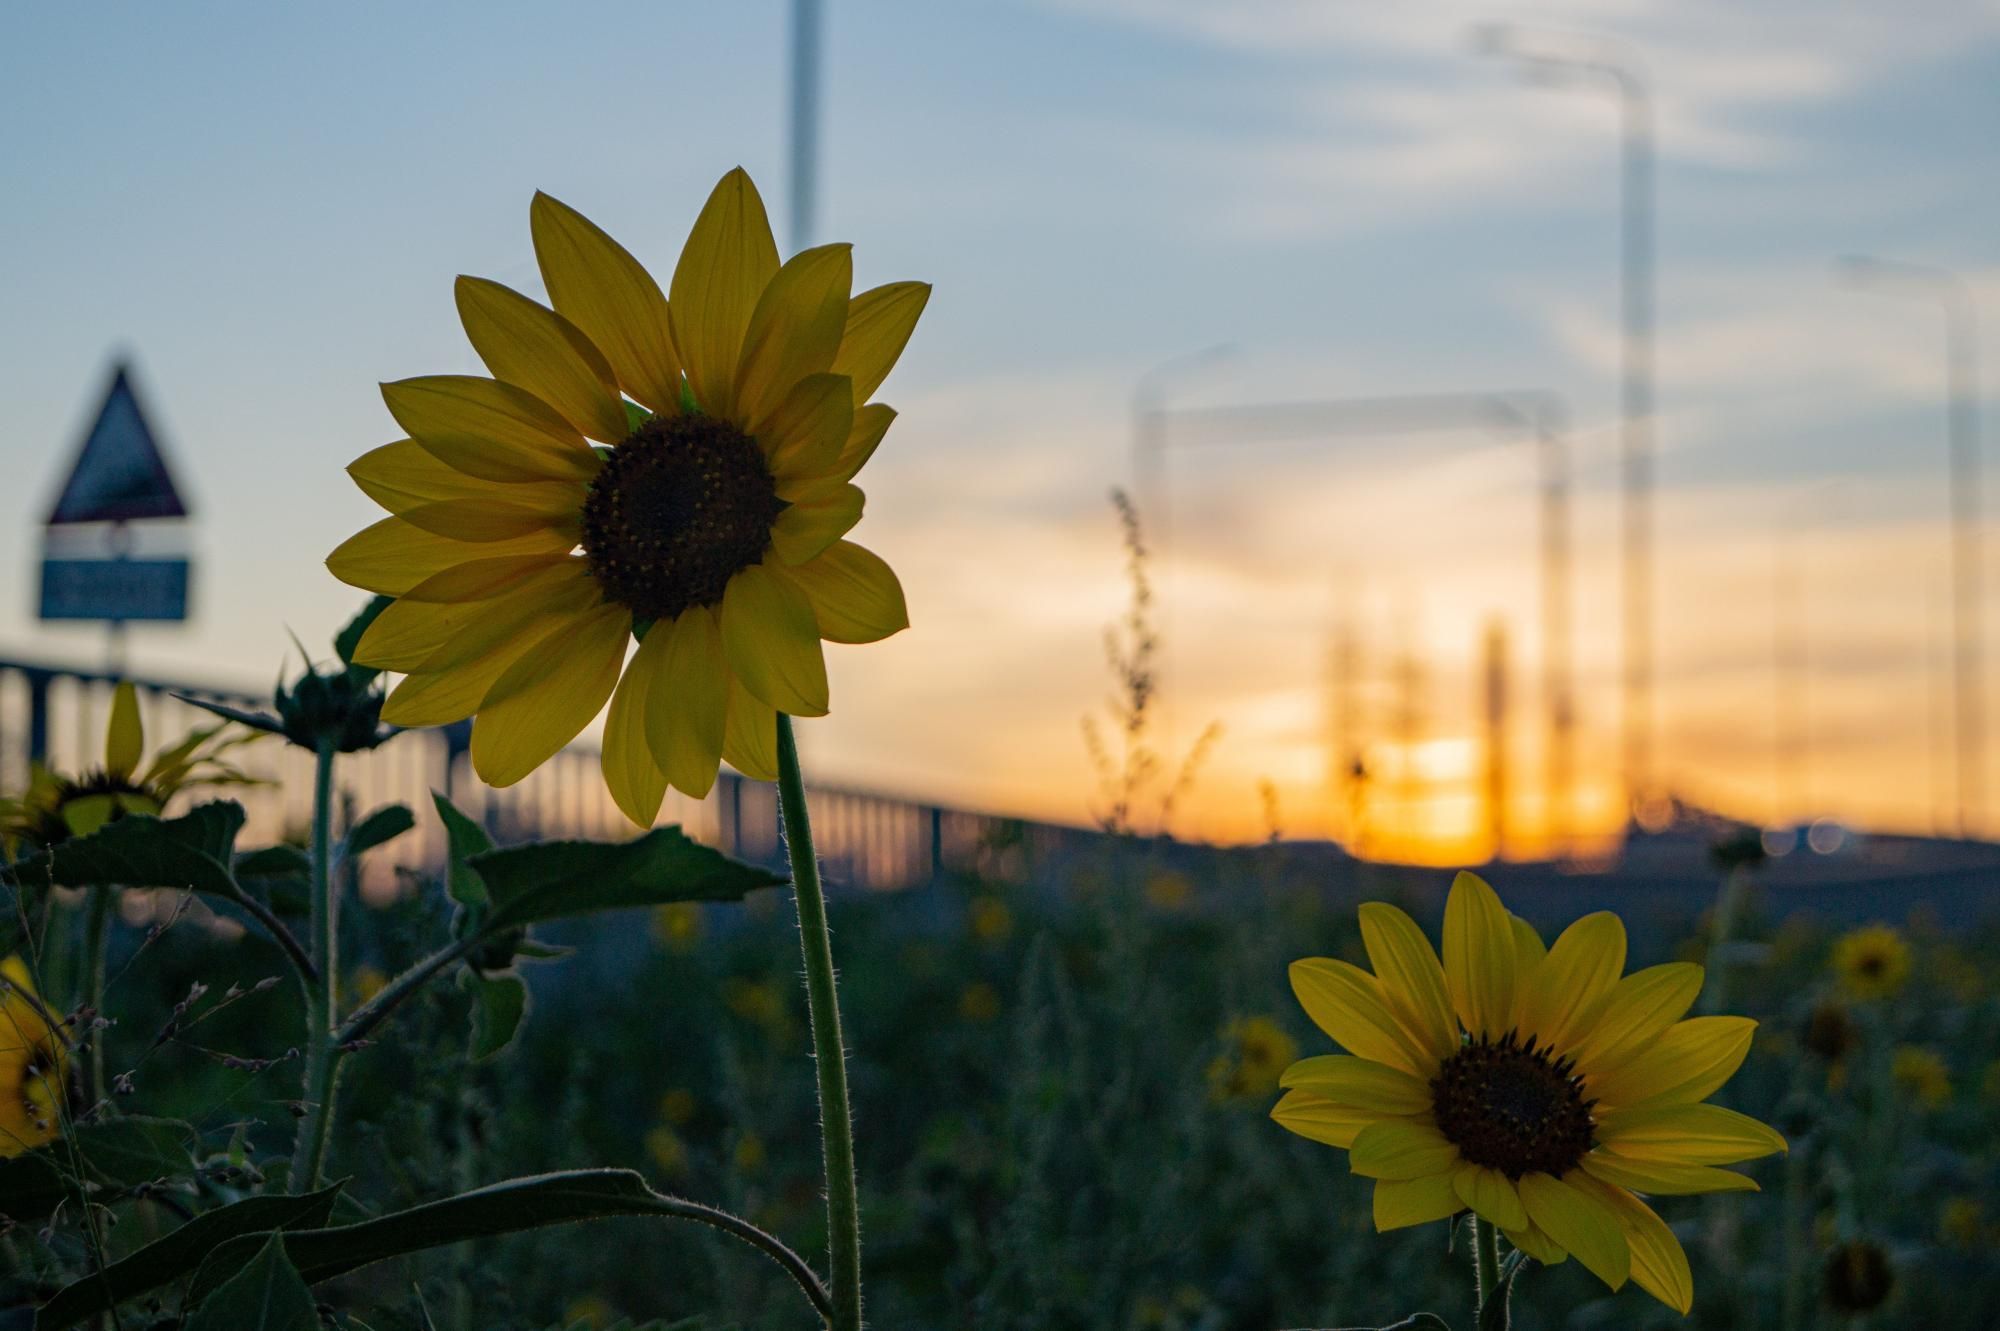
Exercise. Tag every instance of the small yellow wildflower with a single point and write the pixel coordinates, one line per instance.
(1872, 961)
(750, 1155)
(1961, 1220)
(1257, 1052)
(1922, 1074)
(678, 1106)
(990, 920)
(666, 1150)
(1169, 891)
(979, 1003)
(678, 925)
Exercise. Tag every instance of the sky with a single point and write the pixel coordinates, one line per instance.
(264, 208)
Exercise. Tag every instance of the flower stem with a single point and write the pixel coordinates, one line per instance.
(1486, 1264)
(96, 925)
(322, 1055)
(843, 1207)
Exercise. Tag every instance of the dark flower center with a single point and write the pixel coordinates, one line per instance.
(682, 506)
(1508, 1106)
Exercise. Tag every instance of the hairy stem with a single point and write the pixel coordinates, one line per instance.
(96, 927)
(843, 1205)
(1486, 1261)
(322, 1054)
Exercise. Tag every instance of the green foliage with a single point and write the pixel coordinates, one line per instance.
(553, 880)
(465, 839)
(379, 828)
(105, 1160)
(192, 851)
(265, 1295)
(499, 1002)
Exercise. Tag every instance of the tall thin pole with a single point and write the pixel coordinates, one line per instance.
(805, 120)
(1636, 263)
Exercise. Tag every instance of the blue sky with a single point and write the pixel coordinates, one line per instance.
(266, 206)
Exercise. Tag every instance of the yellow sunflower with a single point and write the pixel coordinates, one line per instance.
(1872, 961)
(1530, 1084)
(732, 413)
(32, 1065)
(57, 807)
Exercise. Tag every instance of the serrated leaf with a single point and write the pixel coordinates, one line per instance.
(266, 1295)
(466, 839)
(263, 721)
(178, 1254)
(551, 880)
(501, 1208)
(499, 1002)
(191, 851)
(379, 828)
(273, 862)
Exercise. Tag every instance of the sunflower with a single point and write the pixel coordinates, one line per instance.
(32, 1065)
(1872, 961)
(57, 807)
(733, 418)
(1530, 1084)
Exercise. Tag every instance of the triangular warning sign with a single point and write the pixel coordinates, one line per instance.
(120, 474)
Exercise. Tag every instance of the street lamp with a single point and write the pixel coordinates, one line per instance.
(1961, 335)
(1620, 75)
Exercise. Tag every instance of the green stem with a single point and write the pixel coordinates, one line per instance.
(96, 925)
(843, 1207)
(322, 1054)
(1486, 1265)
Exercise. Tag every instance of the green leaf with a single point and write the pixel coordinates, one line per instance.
(273, 862)
(378, 828)
(191, 851)
(178, 1254)
(266, 1295)
(117, 1154)
(466, 839)
(350, 637)
(263, 721)
(553, 879)
(1420, 1322)
(501, 1208)
(498, 1004)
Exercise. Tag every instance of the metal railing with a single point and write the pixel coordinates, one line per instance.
(56, 714)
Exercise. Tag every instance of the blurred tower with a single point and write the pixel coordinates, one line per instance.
(1346, 740)
(1494, 689)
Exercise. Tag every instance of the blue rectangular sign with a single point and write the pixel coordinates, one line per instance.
(115, 589)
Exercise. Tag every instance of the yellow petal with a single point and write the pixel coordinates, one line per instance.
(1400, 1203)
(863, 438)
(526, 344)
(1662, 1179)
(1358, 1082)
(1634, 1014)
(1690, 1062)
(1347, 1003)
(795, 328)
(879, 324)
(488, 429)
(1319, 1119)
(1686, 1134)
(1579, 970)
(636, 782)
(558, 509)
(1491, 1194)
(404, 474)
(750, 737)
(414, 634)
(610, 297)
(125, 737)
(803, 434)
(452, 693)
(1401, 1148)
(521, 615)
(1580, 1223)
(772, 642)
(392, 556)
(1411, 977)
(1537, 1245)
(484, 579)
(687, 708)
(1529, 953)
(1479, 956)
(803, 531)
(1659, 1264)
(544, 699)
(728, 260)
(855, 595)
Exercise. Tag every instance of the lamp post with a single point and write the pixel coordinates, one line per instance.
(1961, 336)
(1622, 77)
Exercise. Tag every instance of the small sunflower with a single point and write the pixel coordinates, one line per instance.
(732, 413)
(1922, 1074)
(1872, 961)
(57, 807)
(1530, 1084)
(33, 1061)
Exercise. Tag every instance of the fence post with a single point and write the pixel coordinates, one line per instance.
(937, 843)
(38, 716)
